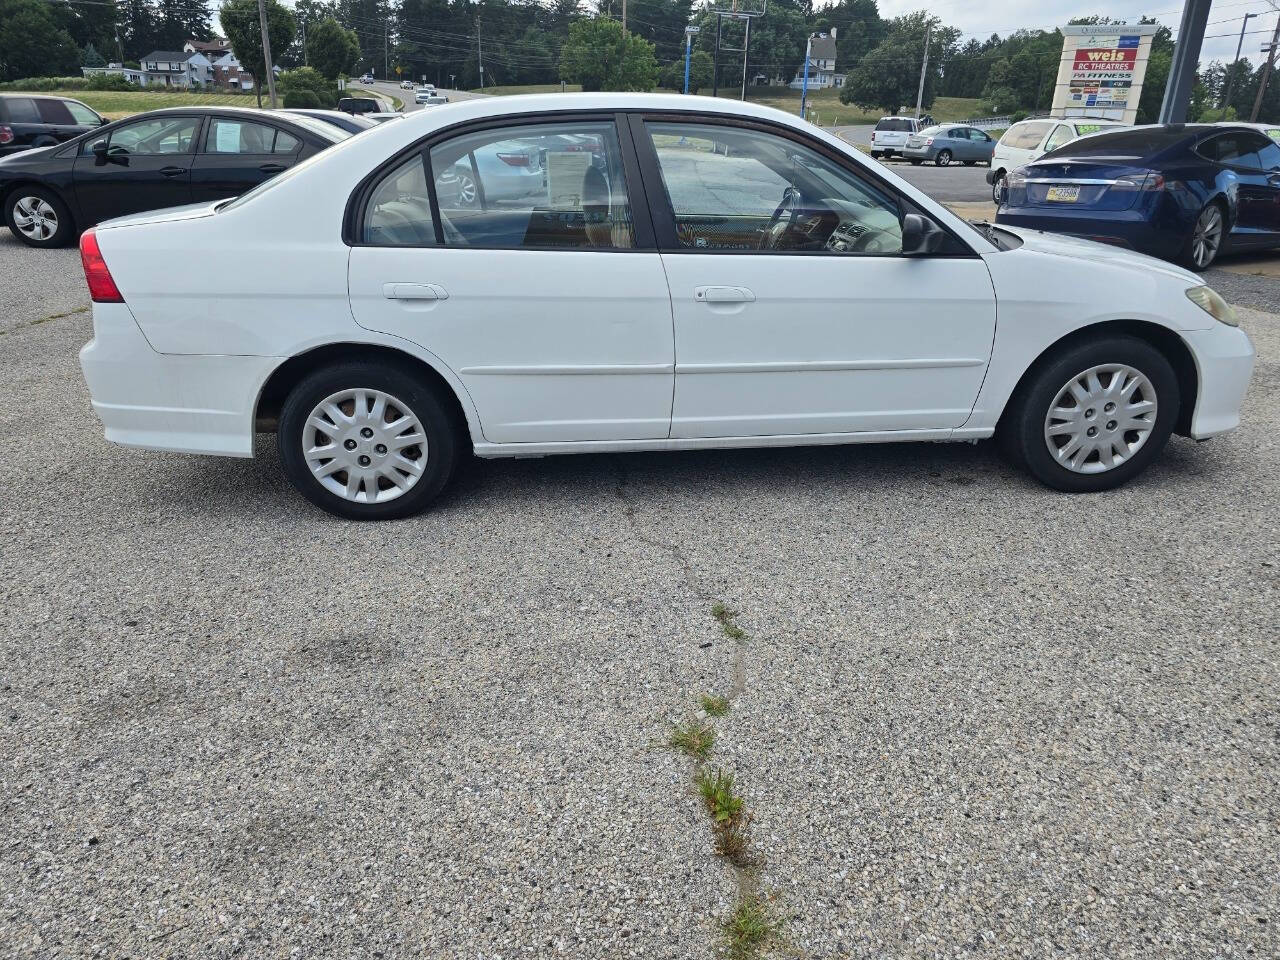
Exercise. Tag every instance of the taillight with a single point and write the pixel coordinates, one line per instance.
(6, 134)
(102, 289)
(929, 142)
(1148, 181)
(514, 159)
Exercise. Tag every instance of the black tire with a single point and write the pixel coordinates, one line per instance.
(876, 154)
(1023, 427)
(1188, 256)
(943, 159)
(406, 388)
(64, 232)
(997, 187)
(916, 163)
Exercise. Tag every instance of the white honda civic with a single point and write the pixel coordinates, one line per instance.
(691, 273)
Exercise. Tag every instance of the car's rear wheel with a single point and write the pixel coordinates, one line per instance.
(367, 441)
(943, 158)
(997, 188)
(38, 217)
(1095, 416)
(1207, 237)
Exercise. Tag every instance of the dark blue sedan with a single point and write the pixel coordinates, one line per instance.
(1182, 192)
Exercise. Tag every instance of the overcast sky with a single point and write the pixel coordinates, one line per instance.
(983, 17)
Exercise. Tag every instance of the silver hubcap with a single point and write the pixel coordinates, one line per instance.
(35, 217)
(466, 190)
(997, 190)
(365, 446)
(1100, 418)
(1207, 237)
(944, 158)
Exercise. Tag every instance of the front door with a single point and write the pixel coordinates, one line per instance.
(1259, 172)
(238, 154)
(532, 280)
(795, 311)
(144, 165)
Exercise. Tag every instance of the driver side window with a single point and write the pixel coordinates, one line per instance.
(154, 137)
(740, 189)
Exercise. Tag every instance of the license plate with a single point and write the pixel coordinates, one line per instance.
(1063, 194)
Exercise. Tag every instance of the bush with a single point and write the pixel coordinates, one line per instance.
(1018, 115)
(305, 99)
(108, 81)
(46, 83)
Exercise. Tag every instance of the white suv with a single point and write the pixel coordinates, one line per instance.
(1028, 140)
(890, 135)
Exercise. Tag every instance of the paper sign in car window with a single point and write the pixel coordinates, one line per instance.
(565, 171)
(1274, 134)
(228, 138)
(1084, 128)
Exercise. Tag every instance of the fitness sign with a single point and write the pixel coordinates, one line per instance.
(1102, 71)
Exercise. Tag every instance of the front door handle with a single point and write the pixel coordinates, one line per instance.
(272, 167)
(172, 171)
(414, 291)
(723, 295)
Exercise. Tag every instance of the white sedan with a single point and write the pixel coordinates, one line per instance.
(690, 273)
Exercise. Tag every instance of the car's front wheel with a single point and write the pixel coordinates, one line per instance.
(1095, 416)
(38, 217)
(367, 441)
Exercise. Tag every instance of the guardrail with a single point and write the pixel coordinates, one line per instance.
(990, 123)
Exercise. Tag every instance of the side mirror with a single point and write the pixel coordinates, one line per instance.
(920, 235)
(100, 153)
(103, 121)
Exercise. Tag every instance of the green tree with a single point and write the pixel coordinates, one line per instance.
(601, 55)
(889, 76)
(90, 57)
(32, 44)
(331, 49)
(700, 68)
(240, 21)
(308, 80)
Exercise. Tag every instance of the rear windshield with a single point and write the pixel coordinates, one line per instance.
(19, 110)
(1132, 143)
(931, 132)
(889, 123)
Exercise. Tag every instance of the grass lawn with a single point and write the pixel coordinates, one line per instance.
(824, 105)
(121, 103)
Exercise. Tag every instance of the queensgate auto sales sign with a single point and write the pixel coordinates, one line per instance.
(1102, 71)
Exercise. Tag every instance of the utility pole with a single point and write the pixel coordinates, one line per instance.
(266, 52)
(624, 14)
(746, 46)
(715, 63)
(303, 24)
(1231, 71)
(1266, 73)
(924, 67)
(479, 55)
(386, 57)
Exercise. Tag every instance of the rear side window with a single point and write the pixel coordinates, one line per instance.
(1061, 136)
(1025, 136)
(82, 114)
(399, 210)
(285, 142)
(54, 111)
(238, 136)
(1238, 148)
(21, 110)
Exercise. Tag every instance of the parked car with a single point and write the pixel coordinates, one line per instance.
(350, 122)
(1184, 193)
(1028, 140)
(28, 121)
(430, 99)
(164, 158)
(364, 105)
(948, 143)
(891, 133)
(777, 285)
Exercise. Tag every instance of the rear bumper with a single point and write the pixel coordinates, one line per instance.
(182, 403)
(919, 153)
(1126, 228)
(1224, 361)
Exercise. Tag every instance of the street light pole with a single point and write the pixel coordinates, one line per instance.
(1231, 71)
(804, 84)
(688, 50)
(924, 67)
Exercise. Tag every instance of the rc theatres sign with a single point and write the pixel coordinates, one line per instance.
(1102, 70)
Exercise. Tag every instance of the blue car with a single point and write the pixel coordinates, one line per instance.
(1184, 192)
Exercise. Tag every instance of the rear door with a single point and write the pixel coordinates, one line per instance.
(795, 311)
(544, 294)
(237, 154)
(146, 166)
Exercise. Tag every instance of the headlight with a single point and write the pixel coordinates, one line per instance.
(1212, 304)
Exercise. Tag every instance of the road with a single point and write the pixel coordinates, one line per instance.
(406, 96)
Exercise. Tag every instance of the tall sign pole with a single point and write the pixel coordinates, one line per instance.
(688, 51)
(266, 52)
(1186, 56)
(924, 68)
(804, 84)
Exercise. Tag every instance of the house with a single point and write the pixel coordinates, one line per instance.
(176, 68)
(212, 49)
(229, 75)
(114, 69)
(822, 64)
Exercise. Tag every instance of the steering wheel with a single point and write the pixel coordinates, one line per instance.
(789, 207)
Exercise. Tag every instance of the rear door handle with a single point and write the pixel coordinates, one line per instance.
(414, 291)
(272, 167)
(723, 295)
(172, 171)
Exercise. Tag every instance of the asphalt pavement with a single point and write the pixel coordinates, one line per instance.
(974, 717)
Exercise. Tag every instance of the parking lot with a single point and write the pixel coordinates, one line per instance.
(971, 716)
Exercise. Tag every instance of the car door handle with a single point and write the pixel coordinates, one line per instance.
(414, 291)
(172, 171)
(271, 167)
(723, 295)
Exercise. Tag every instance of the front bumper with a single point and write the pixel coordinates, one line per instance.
(178, 402)
(1224, 362)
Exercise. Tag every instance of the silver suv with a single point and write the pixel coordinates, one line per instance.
(891, 133)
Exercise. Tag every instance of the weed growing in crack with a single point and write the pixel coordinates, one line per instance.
(730, 821)
(694, 737)
(750, 927)
(725, 617)
(715, 705)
